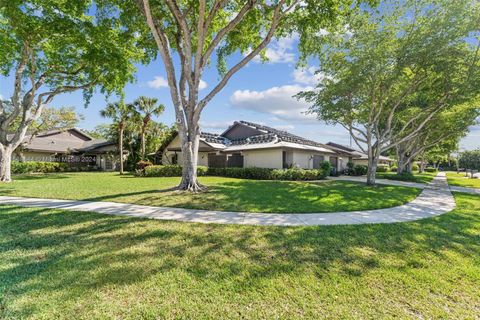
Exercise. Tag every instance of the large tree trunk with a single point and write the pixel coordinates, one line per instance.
(404, 164)
(5, 163)
(120, 148)
(190, 145)
(371, 171)
(373, 155)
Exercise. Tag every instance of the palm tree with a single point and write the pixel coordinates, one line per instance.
(121, 114)
(147, 107)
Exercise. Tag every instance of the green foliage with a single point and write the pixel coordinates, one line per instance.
(394, 169)
(292, 174)
(326, 166)
(359, 170)
(69, 43)
(38, 166)
(429, 169)
(383, 168)
(469, 160)
(415, 167)
(170, 171)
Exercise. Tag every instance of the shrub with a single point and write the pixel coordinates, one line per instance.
(326, 166)
(382, 168)
(142, 164)
(360, 170)
(415, 167)
(394, 169)
(269, 174)
(430, 170)
(170, 171)
(404, 176)
(38, 166)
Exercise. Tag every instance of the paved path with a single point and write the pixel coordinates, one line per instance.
(434, 200)
(380, 181)
(465, 189)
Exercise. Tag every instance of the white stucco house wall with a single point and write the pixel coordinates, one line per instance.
(246, 144)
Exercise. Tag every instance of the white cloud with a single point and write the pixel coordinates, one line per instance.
(202, 85)
(216, 125)
(158, 82)
(308, 76)
(280, 51)
(277, 101)
(1, 97)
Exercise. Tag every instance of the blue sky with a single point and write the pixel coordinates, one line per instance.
(260, 92)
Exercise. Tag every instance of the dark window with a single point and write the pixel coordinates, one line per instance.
(175, 158)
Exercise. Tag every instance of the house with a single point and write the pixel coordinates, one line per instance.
(72, 146)
(247, 144)
(360, 158)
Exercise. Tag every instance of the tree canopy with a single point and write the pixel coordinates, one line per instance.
(389, 71)
(50, 47)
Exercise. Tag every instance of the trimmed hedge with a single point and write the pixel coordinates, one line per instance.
(269, 174)
(430, 170)
(170, 171)
(359, 170)
(39, 166)
(415, 167)
(394, 169)
(383, 168)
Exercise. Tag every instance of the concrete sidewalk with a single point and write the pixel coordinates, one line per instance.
(434, 200)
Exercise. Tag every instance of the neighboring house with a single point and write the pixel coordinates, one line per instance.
(71, 146)
(246, 144)
(361, 158)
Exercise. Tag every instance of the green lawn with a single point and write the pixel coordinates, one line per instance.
(424, 177)
(224, 194)
(459, 179)
(74, 265)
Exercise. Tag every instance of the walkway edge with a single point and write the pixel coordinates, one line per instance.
(435, 199)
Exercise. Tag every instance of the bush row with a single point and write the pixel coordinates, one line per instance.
(269, 174)
(242, 173)
(169, 171)
(39, 166)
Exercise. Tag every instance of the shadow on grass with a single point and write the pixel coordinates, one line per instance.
(70, 253)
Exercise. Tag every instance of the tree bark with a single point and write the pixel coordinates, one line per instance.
(190, 144)
(120, 147)
(373, 155)
(143, 144)
(5, 164)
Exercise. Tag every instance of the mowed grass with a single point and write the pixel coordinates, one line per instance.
(224, 194)
(459, 179)
(424, 177)
(58, 264)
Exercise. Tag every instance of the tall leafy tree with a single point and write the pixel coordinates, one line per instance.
(147, 107)
(439, 137)
(231, 33)
(121, 114)
(51, 47)
(408, 54)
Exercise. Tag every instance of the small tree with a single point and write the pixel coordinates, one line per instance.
(377, 70)
(52, 47)
(121, 114)
(147, 107)
(469, 159)
(198, 31)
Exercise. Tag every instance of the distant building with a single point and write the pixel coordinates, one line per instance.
(246, 144)
(71, 146)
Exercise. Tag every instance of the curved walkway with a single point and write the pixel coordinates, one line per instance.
(434, 200)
